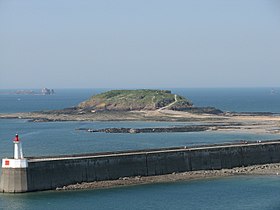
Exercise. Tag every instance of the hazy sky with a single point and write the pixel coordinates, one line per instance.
(139, 44)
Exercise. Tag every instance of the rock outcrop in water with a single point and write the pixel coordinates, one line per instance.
(194, 128)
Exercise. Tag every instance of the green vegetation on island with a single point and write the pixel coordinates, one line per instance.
(143, 104)
(128, 100)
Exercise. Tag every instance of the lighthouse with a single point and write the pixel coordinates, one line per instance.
(14, 170)
(18, 161)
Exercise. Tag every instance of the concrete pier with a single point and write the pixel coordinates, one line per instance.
(47, 173)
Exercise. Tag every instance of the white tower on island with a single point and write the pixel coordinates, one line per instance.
(19, 161)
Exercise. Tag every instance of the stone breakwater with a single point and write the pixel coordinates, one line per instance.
(49, 173)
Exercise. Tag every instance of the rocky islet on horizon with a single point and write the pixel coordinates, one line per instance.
(44, 91)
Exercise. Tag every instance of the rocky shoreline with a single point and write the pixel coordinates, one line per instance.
(163, 115)
(253, 123)
(266, 169)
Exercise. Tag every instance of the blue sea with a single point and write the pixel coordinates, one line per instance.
(54, 138)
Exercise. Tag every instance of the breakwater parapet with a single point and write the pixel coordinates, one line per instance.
(47, 173)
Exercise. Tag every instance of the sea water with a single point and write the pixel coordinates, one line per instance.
(240, 193)
(53, 138)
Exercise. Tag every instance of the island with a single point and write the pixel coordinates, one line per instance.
(144, 105)
(141, 100)
(155, 105)
(129, 100)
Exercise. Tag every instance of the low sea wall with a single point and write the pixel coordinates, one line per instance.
(46, 173)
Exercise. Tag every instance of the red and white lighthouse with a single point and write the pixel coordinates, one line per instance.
(18, 161)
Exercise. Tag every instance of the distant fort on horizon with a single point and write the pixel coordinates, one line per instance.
(44, 91)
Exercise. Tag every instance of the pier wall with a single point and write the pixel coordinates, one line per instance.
(52, 172)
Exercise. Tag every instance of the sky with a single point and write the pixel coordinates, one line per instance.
(139, 44)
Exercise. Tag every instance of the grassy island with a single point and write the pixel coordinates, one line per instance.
(128, 100)
(141, 104)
